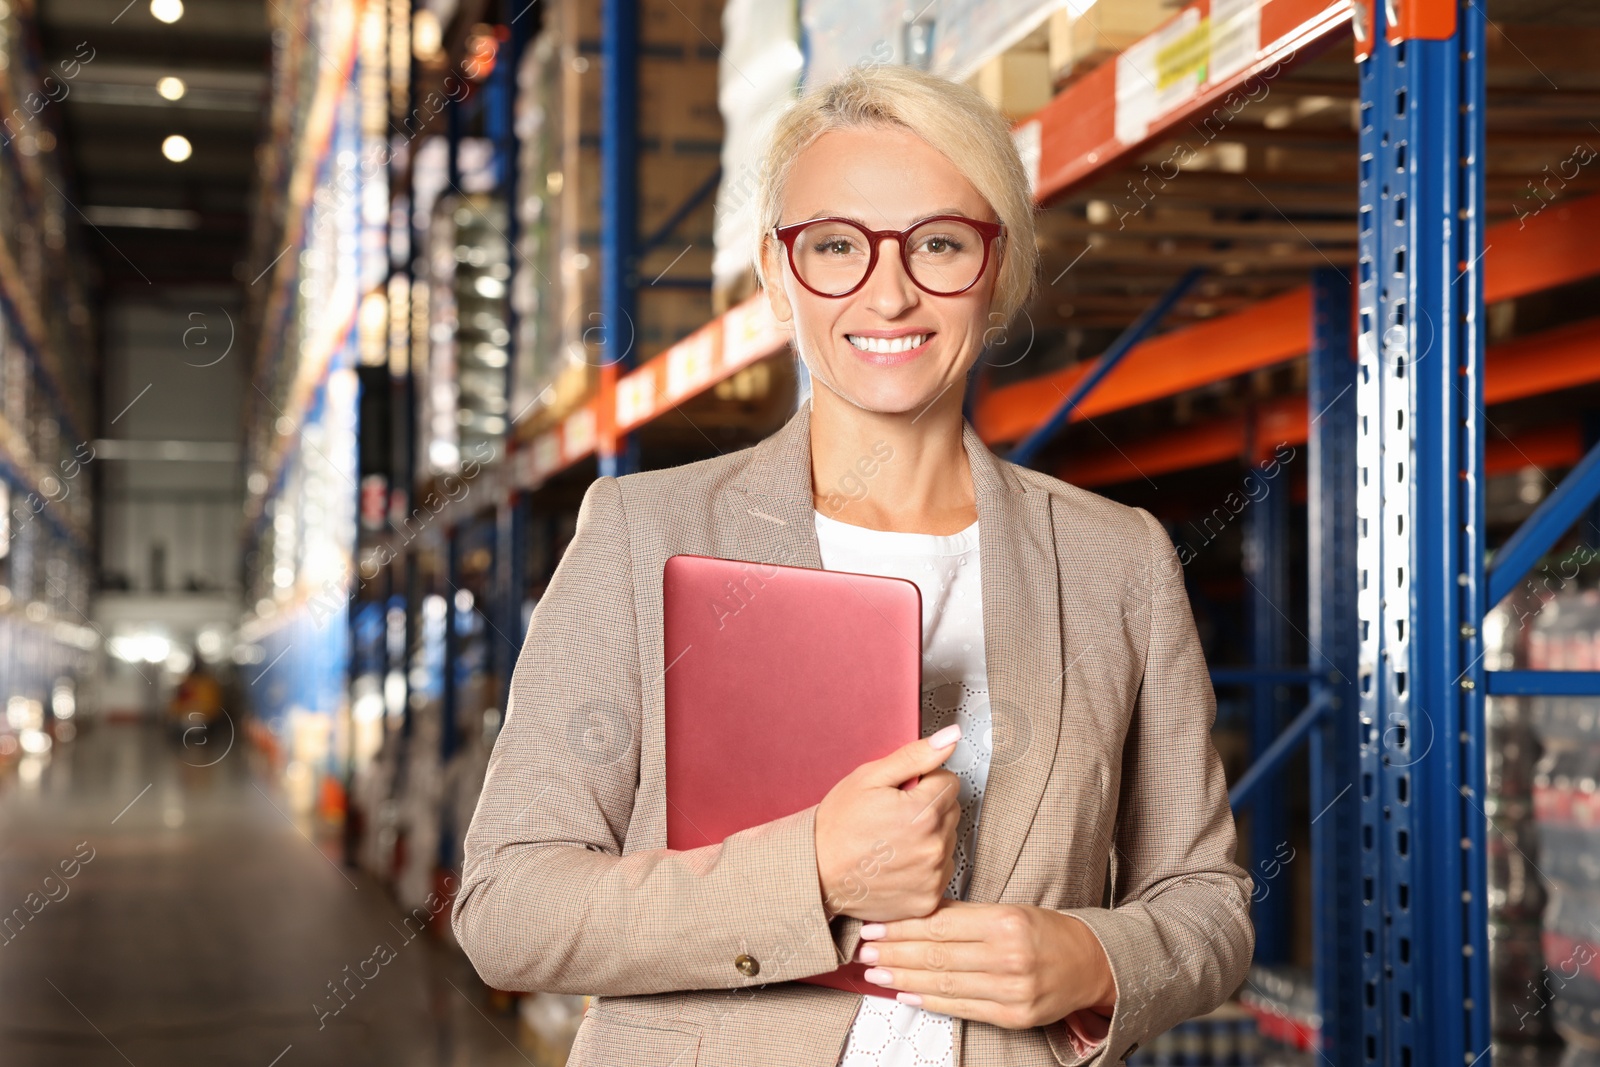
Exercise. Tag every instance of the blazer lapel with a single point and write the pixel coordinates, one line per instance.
(1022, 643)
(771, 521)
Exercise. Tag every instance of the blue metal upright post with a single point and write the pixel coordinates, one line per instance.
(1419, 540)
(619, 90)
(1331, 586)
(1266, 568)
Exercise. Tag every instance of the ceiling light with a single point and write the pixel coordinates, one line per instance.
(177, 148)
(171, 88)
(168, 11)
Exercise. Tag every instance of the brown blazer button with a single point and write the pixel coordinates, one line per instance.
(748, 966)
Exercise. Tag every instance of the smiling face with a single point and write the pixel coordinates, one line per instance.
(889, 346)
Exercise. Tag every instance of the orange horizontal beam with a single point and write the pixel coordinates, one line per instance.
(1076, 137)
(1077, 131)
(1520, 257)
(741, 336)
(1551, 446)
(1201, 446)
(1263, 334)
(1529, 366)
(1541, 250)
(1543, 363)
(1282, 420)
(1185, 449)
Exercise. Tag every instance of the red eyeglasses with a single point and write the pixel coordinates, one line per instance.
(944, 255)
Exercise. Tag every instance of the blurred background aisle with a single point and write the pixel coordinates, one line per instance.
(187, 919)
(317, 318)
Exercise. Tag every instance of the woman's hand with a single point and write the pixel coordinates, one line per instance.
(884, 852)
(1013, 965)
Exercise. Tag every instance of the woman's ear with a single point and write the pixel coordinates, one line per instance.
(772, 275)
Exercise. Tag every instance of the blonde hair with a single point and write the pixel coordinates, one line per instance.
(954, 120)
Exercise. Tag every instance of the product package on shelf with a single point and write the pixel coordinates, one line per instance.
(1565, 635)
(1082, 36)
(968, 34)
(677, 153)
(1283, 1001)
(469, 270)
(1517, 894)
(1223, 1038)
(1017, 51)
(760, 69)
(534, 297)
(840, 34)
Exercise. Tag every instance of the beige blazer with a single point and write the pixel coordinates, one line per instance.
(1105, 796)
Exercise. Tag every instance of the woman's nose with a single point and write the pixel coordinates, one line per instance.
(889, 288)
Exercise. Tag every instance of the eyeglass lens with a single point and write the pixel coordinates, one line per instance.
(944, 256)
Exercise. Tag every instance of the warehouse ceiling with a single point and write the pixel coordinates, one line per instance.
(151, 221)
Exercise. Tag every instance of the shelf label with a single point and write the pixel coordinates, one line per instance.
(578, 434)
(1184, 58)
(544, 456)
(636, 396)
(523, 472)
(690, 363)
(749, 332)
(1159, 73)
(1235, 36)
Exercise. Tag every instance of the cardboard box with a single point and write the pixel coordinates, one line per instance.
(666, 316)
(666, 181)
(1079, 44)
(1017, 82)
(685, 26)
(680, 131)
(677, 100)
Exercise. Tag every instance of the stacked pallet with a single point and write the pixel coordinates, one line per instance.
(564, 339)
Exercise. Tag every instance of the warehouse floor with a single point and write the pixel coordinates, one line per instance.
(198, 925)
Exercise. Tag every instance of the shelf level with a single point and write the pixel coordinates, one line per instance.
(1539, 364)
(1080, 133)
(1278, 329)
(1521, 256)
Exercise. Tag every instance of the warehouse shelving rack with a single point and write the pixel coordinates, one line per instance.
(302, 389)
(46, 634)
(1394, 419)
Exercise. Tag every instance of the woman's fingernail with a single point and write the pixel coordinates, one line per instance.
(909, 998)
(872, 930)
(877, 975)
(867, 954)
(948, 736)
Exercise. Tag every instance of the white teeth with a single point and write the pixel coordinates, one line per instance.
(887, 344)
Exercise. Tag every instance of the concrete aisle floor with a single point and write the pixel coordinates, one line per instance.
(201, 927)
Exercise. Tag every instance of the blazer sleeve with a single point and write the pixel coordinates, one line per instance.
(1178, 932)
(548, 900)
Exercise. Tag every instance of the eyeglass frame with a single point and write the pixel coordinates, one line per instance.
(989, 231)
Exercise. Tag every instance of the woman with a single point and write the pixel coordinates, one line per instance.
(1096, 902)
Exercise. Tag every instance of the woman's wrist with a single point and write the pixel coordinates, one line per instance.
(1102, 982)
(829, 910)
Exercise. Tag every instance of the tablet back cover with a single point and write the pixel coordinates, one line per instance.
(779, 682)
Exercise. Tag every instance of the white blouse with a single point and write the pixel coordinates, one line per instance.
(955, 688)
